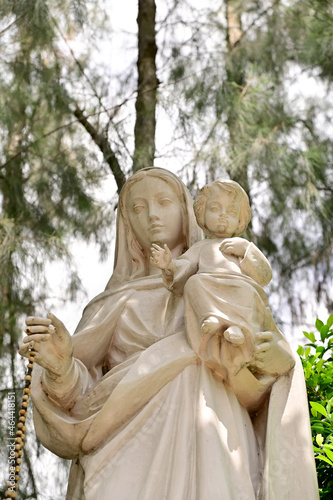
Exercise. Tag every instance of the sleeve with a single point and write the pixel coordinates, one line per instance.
(91, 344)
(256, 266)
(64, 391)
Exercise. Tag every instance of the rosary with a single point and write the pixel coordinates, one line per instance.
(15, 463)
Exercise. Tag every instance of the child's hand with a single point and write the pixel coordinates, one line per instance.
(234, 246)
(160, 257)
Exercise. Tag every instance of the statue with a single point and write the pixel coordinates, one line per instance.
(146, 412)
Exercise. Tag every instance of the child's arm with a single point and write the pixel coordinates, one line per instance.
(175, 272)
(252, 261)
(162, 258)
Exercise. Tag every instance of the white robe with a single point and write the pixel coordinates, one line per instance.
(160, 424)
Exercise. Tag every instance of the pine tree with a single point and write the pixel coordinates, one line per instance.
(46, 180)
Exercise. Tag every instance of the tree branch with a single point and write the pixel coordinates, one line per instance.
(53, 131)
(102, 142)
(12, 24)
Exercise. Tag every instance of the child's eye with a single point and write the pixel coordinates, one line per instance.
(213, 208)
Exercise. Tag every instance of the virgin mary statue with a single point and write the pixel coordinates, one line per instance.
(142, 415)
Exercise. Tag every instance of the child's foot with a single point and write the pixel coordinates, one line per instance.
(210, 325)
(234, 335)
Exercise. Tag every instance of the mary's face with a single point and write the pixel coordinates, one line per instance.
(155, 213)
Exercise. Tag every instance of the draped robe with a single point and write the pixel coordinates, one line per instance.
(160, 423)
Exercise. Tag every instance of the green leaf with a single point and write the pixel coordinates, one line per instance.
(307, 352)
(319, 324)
(310, 336)
(308, 370)
(314, 412)
(323, 332)
(324, 459)
(329, 453)
(330, 321)
(310, 344)
(319, 439)
(319, 408)
(300, 350)
(317, 428)
(319, 365)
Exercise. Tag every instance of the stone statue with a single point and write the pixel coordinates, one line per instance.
(146, 412)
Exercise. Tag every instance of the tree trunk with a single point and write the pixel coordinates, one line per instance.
(236, 82)
(234, 26)
(145, 106)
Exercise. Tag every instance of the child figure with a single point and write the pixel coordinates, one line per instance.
(223, 274)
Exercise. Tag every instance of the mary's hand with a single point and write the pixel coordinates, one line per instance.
(52, 343)
(272, 354)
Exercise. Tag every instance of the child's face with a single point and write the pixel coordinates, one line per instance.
(222, 212)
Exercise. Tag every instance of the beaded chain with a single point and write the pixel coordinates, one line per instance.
(20, 433)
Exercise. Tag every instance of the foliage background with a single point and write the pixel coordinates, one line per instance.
(317, 360)
(225, 88)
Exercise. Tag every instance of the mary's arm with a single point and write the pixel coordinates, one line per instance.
(71, 364)
(252, 380)
(63, 377)
(66, 389)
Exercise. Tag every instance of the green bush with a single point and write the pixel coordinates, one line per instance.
(317, 360)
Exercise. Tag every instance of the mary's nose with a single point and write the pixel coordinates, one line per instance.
(153, 213)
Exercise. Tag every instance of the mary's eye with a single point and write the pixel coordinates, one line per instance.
(137, 208)
(165, 201)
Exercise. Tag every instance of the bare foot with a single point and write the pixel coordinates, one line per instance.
(210, 325)
(234, 335)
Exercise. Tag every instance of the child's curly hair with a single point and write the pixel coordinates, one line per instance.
(231, 187)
